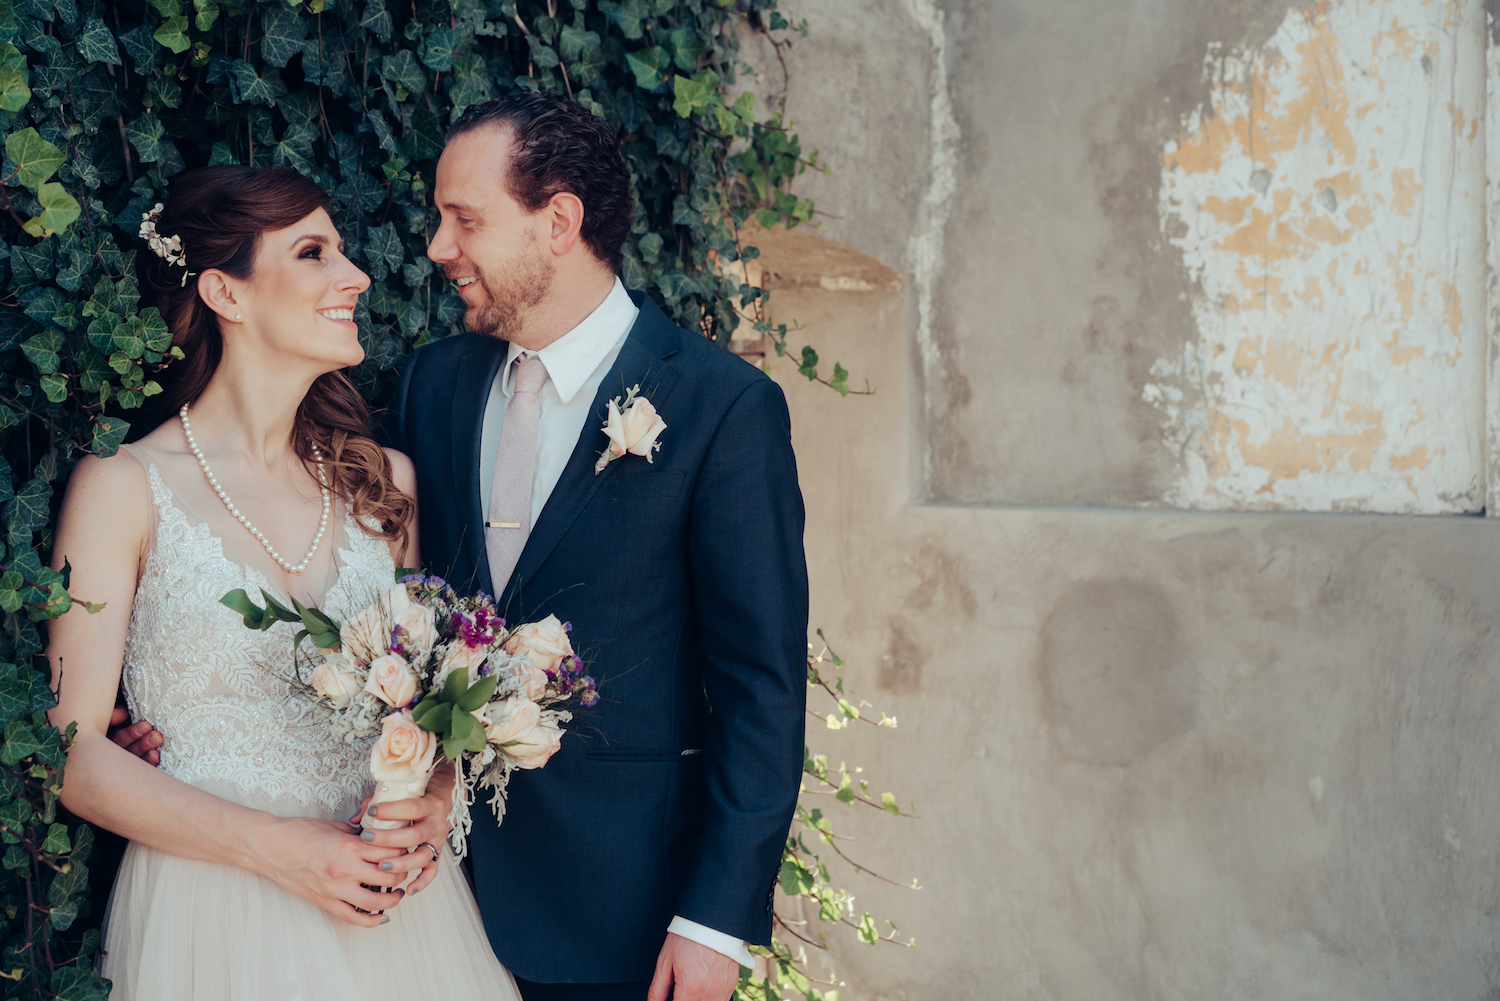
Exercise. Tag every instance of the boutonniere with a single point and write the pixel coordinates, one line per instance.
(632, 428)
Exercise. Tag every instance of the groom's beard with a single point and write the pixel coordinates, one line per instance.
(509, 297)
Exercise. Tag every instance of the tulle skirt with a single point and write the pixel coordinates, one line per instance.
(181, 929)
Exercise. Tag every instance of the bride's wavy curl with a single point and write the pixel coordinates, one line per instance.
(220, 213)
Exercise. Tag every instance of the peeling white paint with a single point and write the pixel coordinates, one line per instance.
(925, 247)
(1492, 250)
(1329, 205)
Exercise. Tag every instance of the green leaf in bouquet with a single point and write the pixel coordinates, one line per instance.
(479, 693)
(323, 630)
(255, 617)
(455, 686)
(436, 718)
(477, 739)
(452, 748)
(460, 725)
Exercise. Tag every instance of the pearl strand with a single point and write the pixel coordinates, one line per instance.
(187, 431)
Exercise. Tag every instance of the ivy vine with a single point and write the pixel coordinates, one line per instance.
(103, 103)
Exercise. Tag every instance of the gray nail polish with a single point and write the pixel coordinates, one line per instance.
(386, 920)
(414, 891)
(367, 836)
(386, 867)
(372, 809)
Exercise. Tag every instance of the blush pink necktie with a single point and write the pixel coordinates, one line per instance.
(509, 521)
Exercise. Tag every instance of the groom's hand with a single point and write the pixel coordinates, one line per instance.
(140, 739)
(687, 971)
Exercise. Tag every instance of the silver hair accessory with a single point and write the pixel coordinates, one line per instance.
(168, 249)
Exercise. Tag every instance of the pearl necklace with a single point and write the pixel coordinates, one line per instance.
(187, 431)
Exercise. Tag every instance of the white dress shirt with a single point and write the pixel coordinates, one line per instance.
(576, 363)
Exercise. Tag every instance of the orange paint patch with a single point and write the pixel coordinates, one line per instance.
(1404, 184)
(1417, 458)
(1453, 311)
(1289, 454)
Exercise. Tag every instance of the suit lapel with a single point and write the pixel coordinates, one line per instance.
(640, 363)
(476, 374)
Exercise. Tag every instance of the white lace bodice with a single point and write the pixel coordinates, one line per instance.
(221, 694)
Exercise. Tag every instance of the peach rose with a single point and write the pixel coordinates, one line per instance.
(516, 725)
(521, 673)
(537, 745)
(544, 644)
(417, 631)
(392, 681)
(368, 634)
(405, 752)
(634, 430)
(459, 655)
(338, 678)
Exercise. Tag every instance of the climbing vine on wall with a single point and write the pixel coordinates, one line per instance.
(102, 104)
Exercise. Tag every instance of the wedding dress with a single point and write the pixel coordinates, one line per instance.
(220, 695)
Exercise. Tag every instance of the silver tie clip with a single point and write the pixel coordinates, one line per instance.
(502, 524)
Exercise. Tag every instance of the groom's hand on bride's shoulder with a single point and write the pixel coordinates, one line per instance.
(141, 739)
(688, 971)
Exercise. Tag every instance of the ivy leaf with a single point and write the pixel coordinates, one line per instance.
(207, 12)
(687, 44)
(249, 87)
(109, 433)
(35, 158)
(173, 34)
(809, 366)
(795, 880)
(284, 30)
(59, 209)
(54, 387)
(426, 138)
(145, 134)
(383, 249)
(20, 742)
(13, 92)
(96, 44)
(403, 68)
(695, 93)
(42, 350)
(436, 49)
(626, 16)
(649, 66)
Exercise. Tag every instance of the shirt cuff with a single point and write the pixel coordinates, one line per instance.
(724, 945)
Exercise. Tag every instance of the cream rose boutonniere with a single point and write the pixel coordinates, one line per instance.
(632, 427)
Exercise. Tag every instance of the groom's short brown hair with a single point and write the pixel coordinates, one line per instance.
(559, 145)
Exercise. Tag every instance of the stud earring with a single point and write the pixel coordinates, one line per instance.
(237, 316)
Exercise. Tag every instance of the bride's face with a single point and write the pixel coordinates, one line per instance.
(299, 302)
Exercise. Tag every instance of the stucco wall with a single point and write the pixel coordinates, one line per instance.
(1156, 753)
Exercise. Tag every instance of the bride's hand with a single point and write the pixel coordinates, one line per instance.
(320, 861)
(428, 817)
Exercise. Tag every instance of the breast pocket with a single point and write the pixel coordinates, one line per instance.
(642, 483)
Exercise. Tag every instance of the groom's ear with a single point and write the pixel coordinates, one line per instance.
(215, 291)
(564, 214)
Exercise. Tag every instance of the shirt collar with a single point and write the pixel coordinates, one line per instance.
(574, 356)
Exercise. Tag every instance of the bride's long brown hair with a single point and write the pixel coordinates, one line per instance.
(220, 213)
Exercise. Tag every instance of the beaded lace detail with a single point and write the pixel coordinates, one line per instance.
(221, 694)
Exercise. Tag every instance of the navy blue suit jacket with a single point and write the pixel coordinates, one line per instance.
(686, 584)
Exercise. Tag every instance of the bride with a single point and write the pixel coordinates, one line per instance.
(242, 880)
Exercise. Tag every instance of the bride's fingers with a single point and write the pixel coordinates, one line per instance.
(429, 871)
(364, 805)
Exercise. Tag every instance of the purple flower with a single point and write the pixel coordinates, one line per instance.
(589, 700)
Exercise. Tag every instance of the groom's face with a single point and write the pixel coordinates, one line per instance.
(488, 243)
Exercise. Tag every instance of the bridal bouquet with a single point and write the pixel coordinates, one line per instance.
(428, 670)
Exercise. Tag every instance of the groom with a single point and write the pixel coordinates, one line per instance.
(640, 862)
